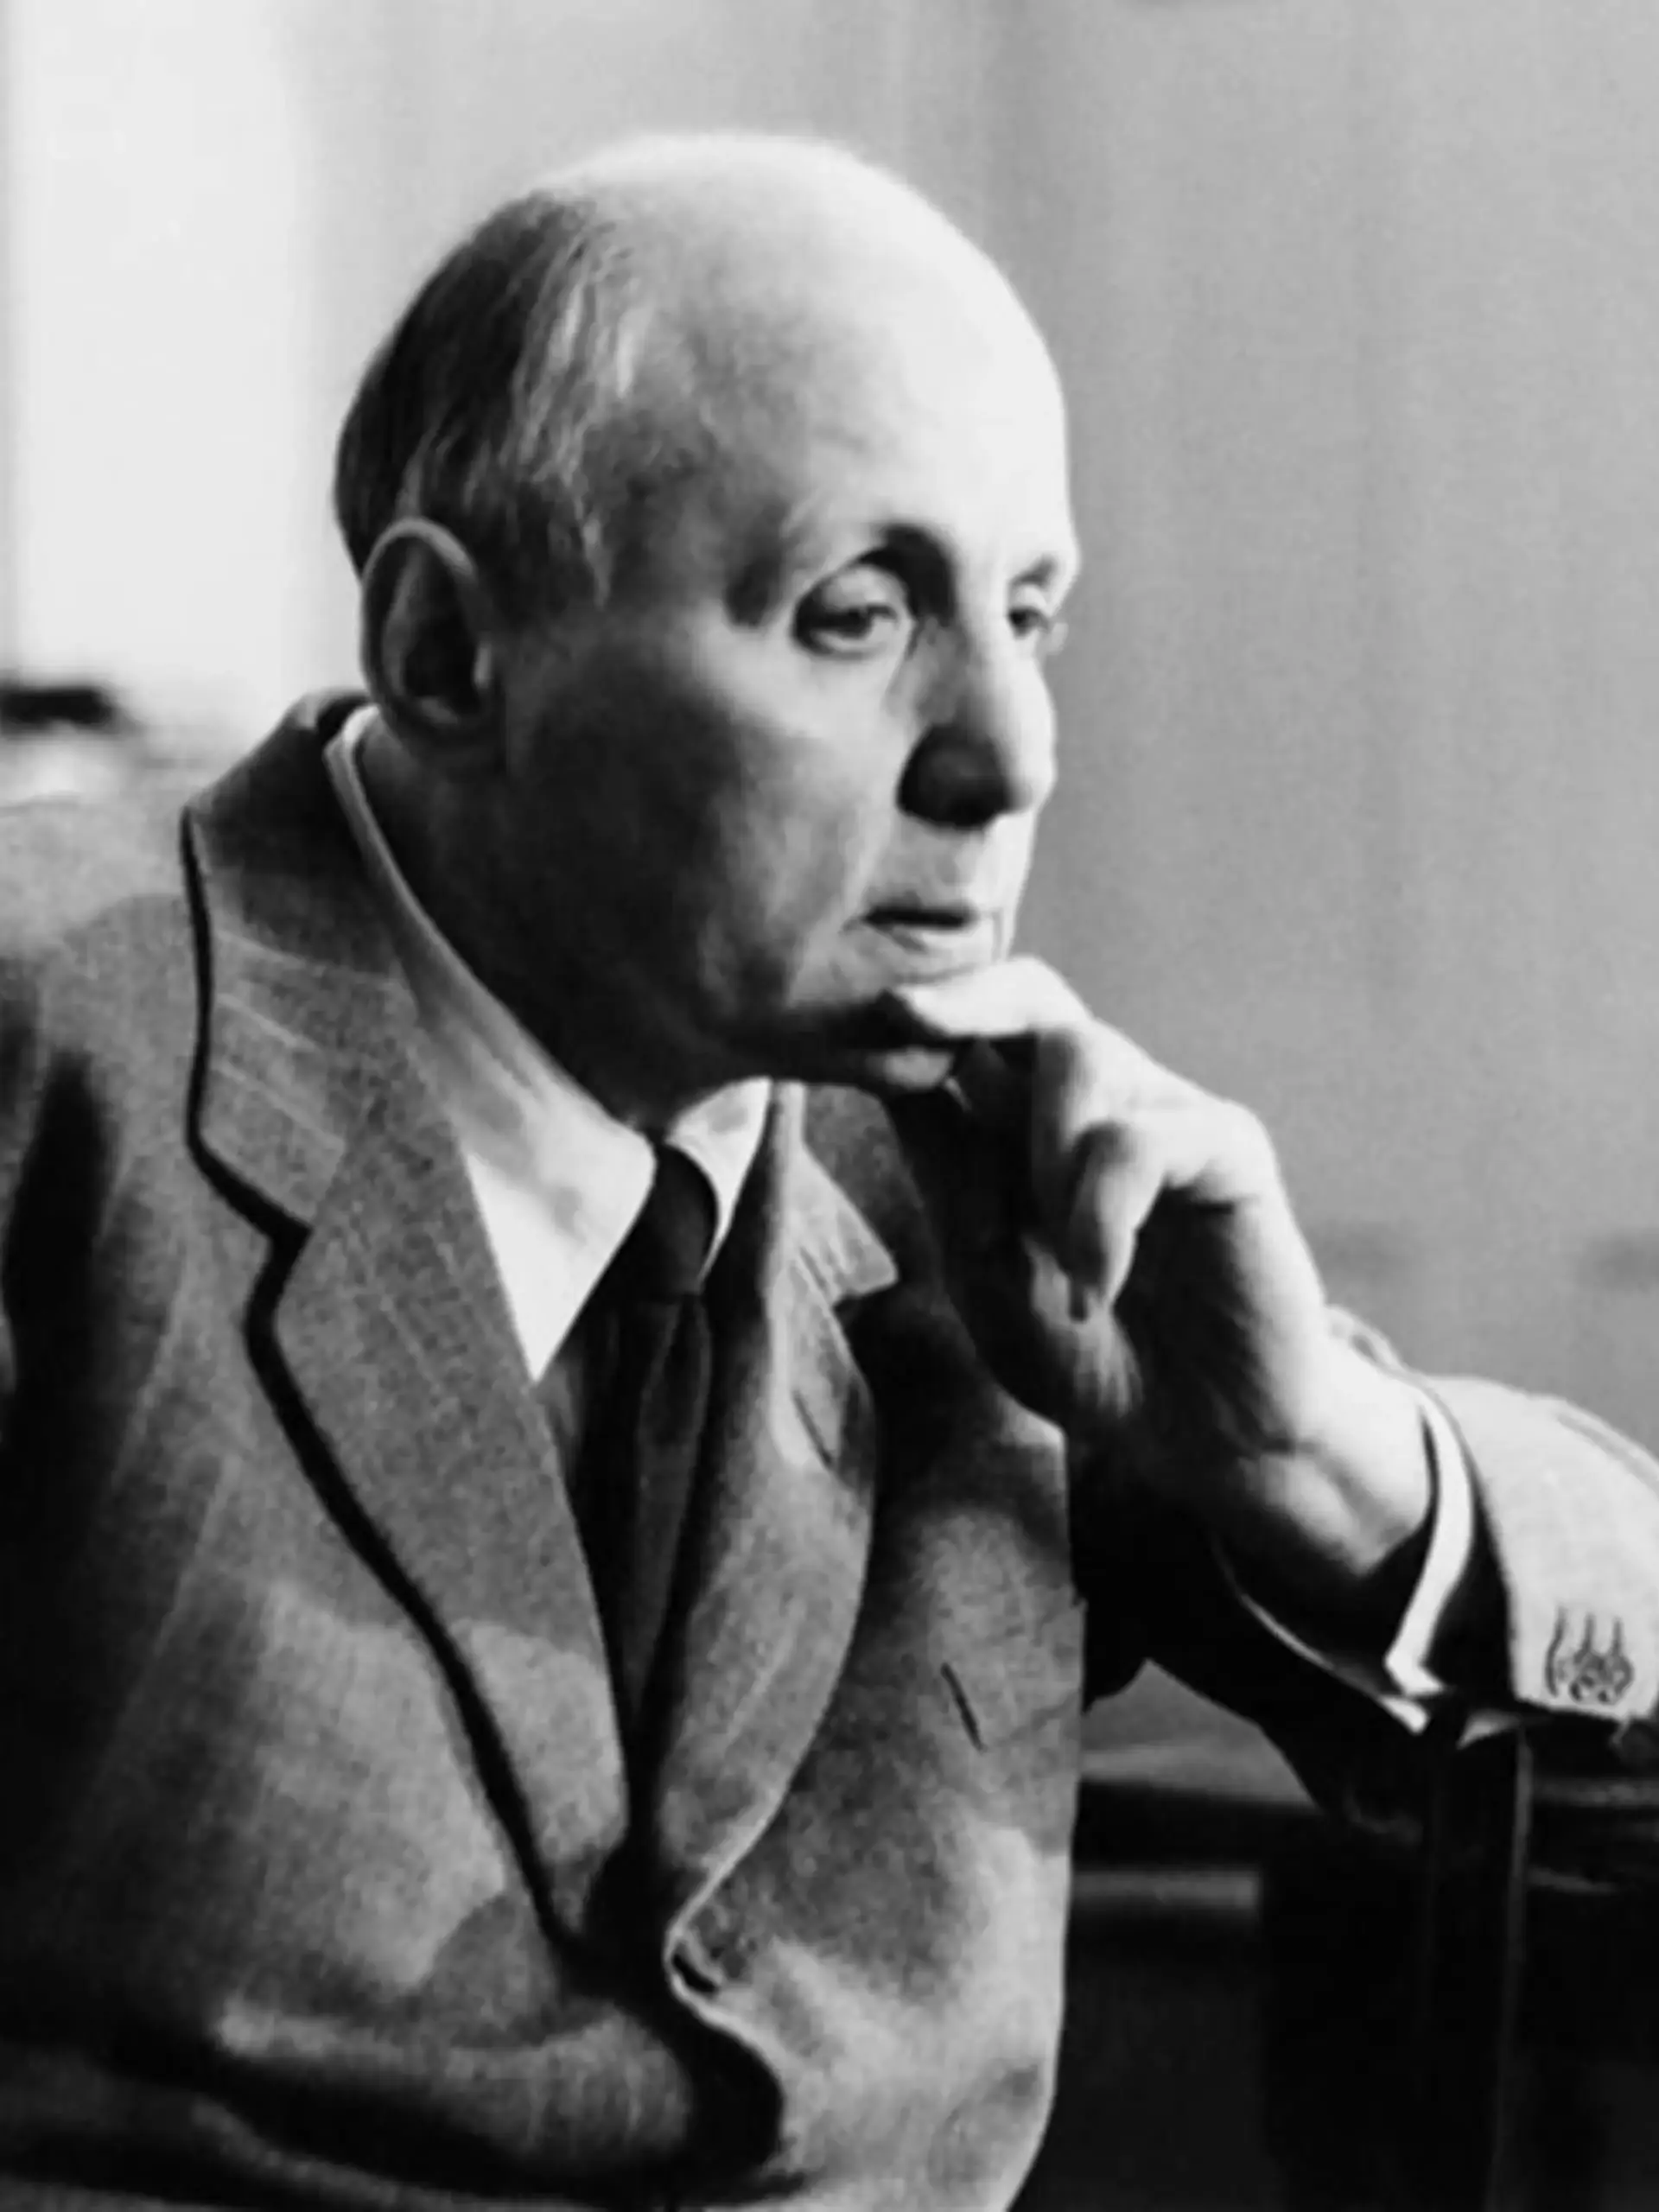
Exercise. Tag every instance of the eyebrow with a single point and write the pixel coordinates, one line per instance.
(1055, 568)
(1062, 568)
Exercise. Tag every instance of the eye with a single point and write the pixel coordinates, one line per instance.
(861, 612)
(1039, 625)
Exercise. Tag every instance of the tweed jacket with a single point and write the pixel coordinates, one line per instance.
(323, 1881)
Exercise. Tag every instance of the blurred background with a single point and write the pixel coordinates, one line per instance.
(1358, 301)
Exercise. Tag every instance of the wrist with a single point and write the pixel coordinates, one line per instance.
(1340, 1525)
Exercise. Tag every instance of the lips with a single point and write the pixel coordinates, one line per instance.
(937, 939)
(923, 913)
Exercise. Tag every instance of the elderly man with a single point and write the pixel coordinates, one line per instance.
(591, 1372)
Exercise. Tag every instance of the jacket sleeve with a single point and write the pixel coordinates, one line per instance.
(1571, 1513)
(1567, 1596)
(1563, 1623)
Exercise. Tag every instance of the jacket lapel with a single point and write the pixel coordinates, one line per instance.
(390, 1336)
(778, 1568)
(389, 1331)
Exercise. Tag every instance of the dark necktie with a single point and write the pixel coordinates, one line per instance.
(639, 1465)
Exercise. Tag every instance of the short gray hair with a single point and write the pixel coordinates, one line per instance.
(505, 404)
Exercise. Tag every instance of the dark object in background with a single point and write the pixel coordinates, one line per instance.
(32, 709)
(68, 739)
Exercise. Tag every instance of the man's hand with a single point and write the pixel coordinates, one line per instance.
(1122, 1248)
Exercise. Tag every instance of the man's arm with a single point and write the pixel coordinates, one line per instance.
(1122, 1248)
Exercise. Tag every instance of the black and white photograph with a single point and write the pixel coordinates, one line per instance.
(829, 1105)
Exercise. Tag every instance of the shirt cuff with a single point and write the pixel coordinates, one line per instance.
(1401, 1681)
(1450, 1550)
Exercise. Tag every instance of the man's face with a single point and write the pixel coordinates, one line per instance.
(799, 760)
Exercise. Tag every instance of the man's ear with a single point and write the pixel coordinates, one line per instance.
(431, 644)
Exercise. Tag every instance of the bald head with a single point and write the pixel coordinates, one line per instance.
(619, 332)
(771, 222)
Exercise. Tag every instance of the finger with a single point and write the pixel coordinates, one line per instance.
(1019, 997)
(1038, 1099)
(1102, 1130)
(1118, 1179)
(1052, 1075)
(1023, 1002)
(1204, 1151)
(1081, 1080)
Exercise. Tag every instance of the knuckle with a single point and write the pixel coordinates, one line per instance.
(1249, 1142)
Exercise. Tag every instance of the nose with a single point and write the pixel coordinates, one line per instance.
(987, 748)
